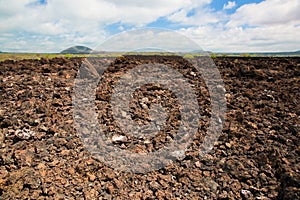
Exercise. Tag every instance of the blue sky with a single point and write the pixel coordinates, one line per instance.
(216, 25)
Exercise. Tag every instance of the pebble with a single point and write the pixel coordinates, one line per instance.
(119, 138)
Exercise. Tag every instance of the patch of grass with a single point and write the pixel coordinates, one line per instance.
(188, 56)
(38, 56)
(247, 55)
(22, 56)
(213, 55)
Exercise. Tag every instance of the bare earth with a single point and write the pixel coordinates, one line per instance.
(42, 156)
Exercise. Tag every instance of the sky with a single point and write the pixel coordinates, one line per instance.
(44, 26)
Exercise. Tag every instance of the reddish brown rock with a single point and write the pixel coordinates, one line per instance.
(256, 156)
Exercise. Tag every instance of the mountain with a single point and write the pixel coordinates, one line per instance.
(281, 53)
(197, 51)
(77, 50)
(274, 53)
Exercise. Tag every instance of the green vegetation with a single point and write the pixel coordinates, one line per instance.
(213, 55)
(247, 55)
(188, 56)
(22, 56)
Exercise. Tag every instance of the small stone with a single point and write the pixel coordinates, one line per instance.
(92, 177)
(118, 183)
(227, 95)
(221, 88)
(65, 152)
(119, 138)
(54, 163)
(198, 164)
(145, 100)
(2, 112)
(71, 171)
(228, 145)
(210, 183)
(24, 134)
(223, 195)
(206, 173)
(42, 169)
(111, 189)
(124, 114)
(193, 73)
(246, 194)
(147, 141)
(144, 105)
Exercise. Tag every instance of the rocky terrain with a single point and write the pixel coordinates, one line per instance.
(256, 156)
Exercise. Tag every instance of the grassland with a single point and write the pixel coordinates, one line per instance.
(22, 56)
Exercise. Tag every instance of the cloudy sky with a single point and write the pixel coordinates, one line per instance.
(216, 25)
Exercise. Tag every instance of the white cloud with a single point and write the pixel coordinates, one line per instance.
(268, 12)
(229, 5)
(69, 15)
(238, 39)
(272, 25)
(78, 21)
(267, 26)
(202, 14)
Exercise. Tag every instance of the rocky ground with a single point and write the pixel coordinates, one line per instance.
(256, 157)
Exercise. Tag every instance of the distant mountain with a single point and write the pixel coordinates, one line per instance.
(281, 53)
(274, 53)
(289, 53)
(77, 50)
(197, 51)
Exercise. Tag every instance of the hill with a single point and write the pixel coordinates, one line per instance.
(279, 53)
(77, 50)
